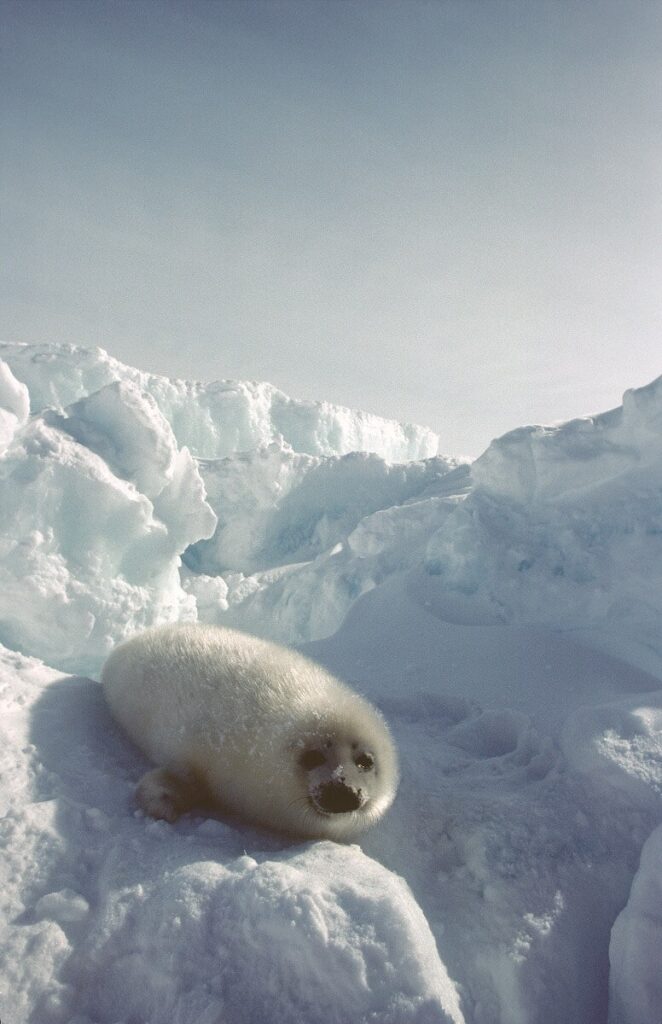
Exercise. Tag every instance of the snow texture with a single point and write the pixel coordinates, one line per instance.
(14, 405)
(218, 419)
(98, 504)
(635, 951)
(505, 616)
(564, 525)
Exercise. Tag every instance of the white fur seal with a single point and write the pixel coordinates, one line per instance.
(251, 727)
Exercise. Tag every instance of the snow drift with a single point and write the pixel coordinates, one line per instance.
(507, 618)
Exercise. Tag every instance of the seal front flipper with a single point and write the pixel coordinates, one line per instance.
(167, 793)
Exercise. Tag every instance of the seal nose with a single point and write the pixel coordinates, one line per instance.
(338, 798)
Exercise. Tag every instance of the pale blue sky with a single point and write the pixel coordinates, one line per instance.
(446, 212)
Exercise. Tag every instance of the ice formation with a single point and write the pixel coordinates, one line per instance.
(635, 951)
(114, 499)
(564, 526)
(98, 504)
(507, 618)
(14, 405)
(217, 419)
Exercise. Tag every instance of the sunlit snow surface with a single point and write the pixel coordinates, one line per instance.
(506, 617)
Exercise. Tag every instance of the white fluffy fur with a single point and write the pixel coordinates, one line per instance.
(227, 716)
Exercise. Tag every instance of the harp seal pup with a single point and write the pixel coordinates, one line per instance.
(250, 727)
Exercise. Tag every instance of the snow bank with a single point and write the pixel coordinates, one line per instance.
(330, 936)
(31, 952)
(98, 503)
(564, 527)
(520, 861)
(111, 917)
(300, 539)
(622, 743)
(635, 952)
(14, 405)
(276, 506)
(215, 420)
(104, 498)
(461, 600)
(305, 601)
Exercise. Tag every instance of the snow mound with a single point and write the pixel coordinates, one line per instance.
(564, 527)
(217, 419)
(104, 499)
(635, 952)
(98, 503)
(622, 742)
(14, 405)
(330, 936)
(108, 916)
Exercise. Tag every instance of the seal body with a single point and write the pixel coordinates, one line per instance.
(251, 727)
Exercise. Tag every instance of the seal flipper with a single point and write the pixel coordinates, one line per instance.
(166, 793)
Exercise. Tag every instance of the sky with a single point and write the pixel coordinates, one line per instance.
(442, 212)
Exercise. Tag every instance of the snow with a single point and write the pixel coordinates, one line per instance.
(564, 526)
(506, 617)
(113, 917)
(345, 939)
(14, 405)
(98, 503)
(635, 951)
(217, 419)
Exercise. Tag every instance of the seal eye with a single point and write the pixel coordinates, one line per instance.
(312, 759)
(364, 761)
